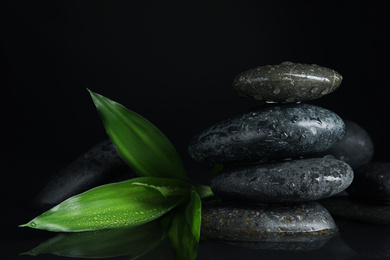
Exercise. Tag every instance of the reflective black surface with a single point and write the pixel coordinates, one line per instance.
(355, 241)
(175, 66)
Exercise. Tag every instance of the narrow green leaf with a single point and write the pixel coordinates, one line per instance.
(131, 241)
(114, 205)
(184, 231)
(204, 191)
(141, 145)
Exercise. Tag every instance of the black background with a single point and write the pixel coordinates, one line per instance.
(172, 63)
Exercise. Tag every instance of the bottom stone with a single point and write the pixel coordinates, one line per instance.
(246, 222)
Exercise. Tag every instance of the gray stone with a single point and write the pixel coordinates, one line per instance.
(349, 208)
(288, 181)
(99, 165)
(270, 132)
(372, 181)
(266, 223)
(287, 82)
(355, 148)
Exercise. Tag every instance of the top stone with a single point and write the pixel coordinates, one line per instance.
(287, 82)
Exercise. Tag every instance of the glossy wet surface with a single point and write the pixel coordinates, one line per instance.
(355, 241)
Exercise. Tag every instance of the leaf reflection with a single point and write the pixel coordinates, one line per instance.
(130, 241)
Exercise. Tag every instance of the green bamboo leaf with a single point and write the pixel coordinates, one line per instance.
(141, 145)
(131, 241)
(184, 231)
(204, 191)
(114, 205)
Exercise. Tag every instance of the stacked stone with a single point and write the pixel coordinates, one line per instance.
(272, 157)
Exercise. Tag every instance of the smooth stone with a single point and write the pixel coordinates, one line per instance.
(99, 165)
(372, 181)
(271, 132)
(368, 211)
(355, 148)
(287, 82)
(287, 181)
(266, 222)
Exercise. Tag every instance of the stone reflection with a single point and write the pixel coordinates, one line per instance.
(131, 241)
(298, 245)
(333, 248)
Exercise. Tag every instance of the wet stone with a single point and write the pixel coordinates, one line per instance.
(362, 210)
(270, 132)
(97, 166)
(287, 181)
(287, 82)
(355, 148)
(266, 223)
(372, 181)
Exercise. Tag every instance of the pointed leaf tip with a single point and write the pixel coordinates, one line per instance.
(114, 205)
(140, 144)
(30, 224)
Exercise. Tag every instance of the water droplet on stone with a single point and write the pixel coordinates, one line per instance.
(294, 119)
(290, 99)
(276, 91)
(283, 135)
(325, 91)
(317, 120)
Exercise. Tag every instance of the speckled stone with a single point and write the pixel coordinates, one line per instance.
(287, 82)
(368, 211)
(288, 181)
(267, 133)
(372, 181)
(355, 148)
(265, 223)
